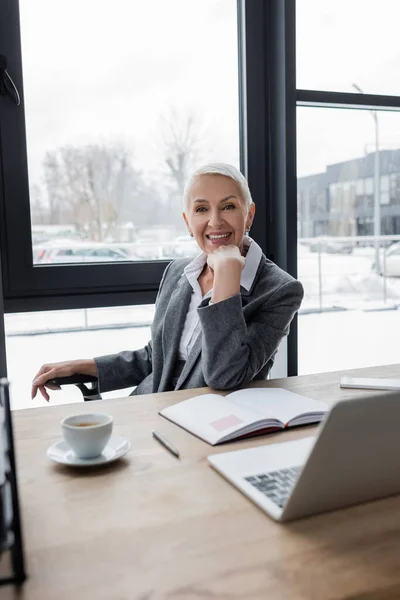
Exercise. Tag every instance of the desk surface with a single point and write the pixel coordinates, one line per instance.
(152, 527)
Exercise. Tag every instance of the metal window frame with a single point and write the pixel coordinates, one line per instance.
(3, 358)
(28, 287)
(266, 31)
(330, 99)
(268, 101)
(269, 133)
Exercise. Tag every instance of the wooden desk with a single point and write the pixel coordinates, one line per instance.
(153, 527)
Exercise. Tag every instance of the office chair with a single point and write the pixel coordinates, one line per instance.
(88, 393)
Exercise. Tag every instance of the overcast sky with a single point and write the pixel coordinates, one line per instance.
(341, 42)
(97, 71)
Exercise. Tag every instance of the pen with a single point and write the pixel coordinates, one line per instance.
(164, 442)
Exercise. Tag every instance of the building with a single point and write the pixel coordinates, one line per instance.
(340, 201)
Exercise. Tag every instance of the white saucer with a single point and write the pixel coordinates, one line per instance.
(61, 453)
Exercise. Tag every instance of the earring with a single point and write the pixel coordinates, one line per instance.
(191, 233)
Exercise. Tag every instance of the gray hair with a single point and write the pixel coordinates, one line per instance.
(219, 169)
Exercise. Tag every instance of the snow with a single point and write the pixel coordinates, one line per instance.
(365, 334)
(26, 354)
(346, 280)
(348, 340)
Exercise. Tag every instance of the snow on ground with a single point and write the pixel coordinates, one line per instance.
(348, 340)
(328, 340)
(343, 280)
(26, 354)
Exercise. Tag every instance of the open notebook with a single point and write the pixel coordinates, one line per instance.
(216, 419)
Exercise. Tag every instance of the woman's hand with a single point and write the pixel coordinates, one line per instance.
(61, 369)
(226, 264)
(225, 256)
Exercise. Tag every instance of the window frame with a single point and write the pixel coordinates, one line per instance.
(269, 129)
(27, 286)
(267, 126)
(315, 98)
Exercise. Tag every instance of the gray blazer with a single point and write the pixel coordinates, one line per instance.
(237, 344)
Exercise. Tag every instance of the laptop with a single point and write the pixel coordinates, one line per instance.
(354, 458)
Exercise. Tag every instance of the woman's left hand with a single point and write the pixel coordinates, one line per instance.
(224, 256)
(226, 263)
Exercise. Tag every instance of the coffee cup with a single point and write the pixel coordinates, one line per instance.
(87, 435)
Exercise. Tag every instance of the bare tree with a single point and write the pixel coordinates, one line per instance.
(90, 186)
(181, 140)
(54, 186)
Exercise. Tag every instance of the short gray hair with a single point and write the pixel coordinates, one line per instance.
(219, 169)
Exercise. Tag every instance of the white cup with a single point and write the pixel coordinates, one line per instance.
(87, 435)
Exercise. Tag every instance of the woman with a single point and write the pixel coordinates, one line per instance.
(219, 318)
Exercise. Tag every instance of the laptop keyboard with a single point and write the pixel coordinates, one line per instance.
(276, 485)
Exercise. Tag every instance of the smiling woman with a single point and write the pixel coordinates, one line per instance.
(219, 318)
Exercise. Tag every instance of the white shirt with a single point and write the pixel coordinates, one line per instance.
(192, 327)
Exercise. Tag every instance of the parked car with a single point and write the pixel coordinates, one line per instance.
(145, 248)
(78, 253)
(38, 254)
(184, 245)
(391, 265)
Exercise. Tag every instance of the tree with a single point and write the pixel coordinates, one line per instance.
(91, 186)
(181, 141)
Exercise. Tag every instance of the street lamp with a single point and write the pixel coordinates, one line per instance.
(377, 190)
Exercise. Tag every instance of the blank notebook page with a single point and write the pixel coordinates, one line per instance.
(277, 403)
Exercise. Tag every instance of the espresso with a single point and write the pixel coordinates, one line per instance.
(85, 424)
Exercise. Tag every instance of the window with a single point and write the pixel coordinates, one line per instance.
(50, 336)
(384, 192)
(369, 185)
(97, 152)
(340, 43)
(360, 187)
(113, 128)
(348, 144)
(114, 182)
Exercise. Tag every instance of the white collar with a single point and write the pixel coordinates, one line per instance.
(253, 257)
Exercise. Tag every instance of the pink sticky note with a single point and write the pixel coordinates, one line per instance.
(226, 422)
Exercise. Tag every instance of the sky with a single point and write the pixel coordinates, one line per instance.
(341, 42)
(97, 71)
